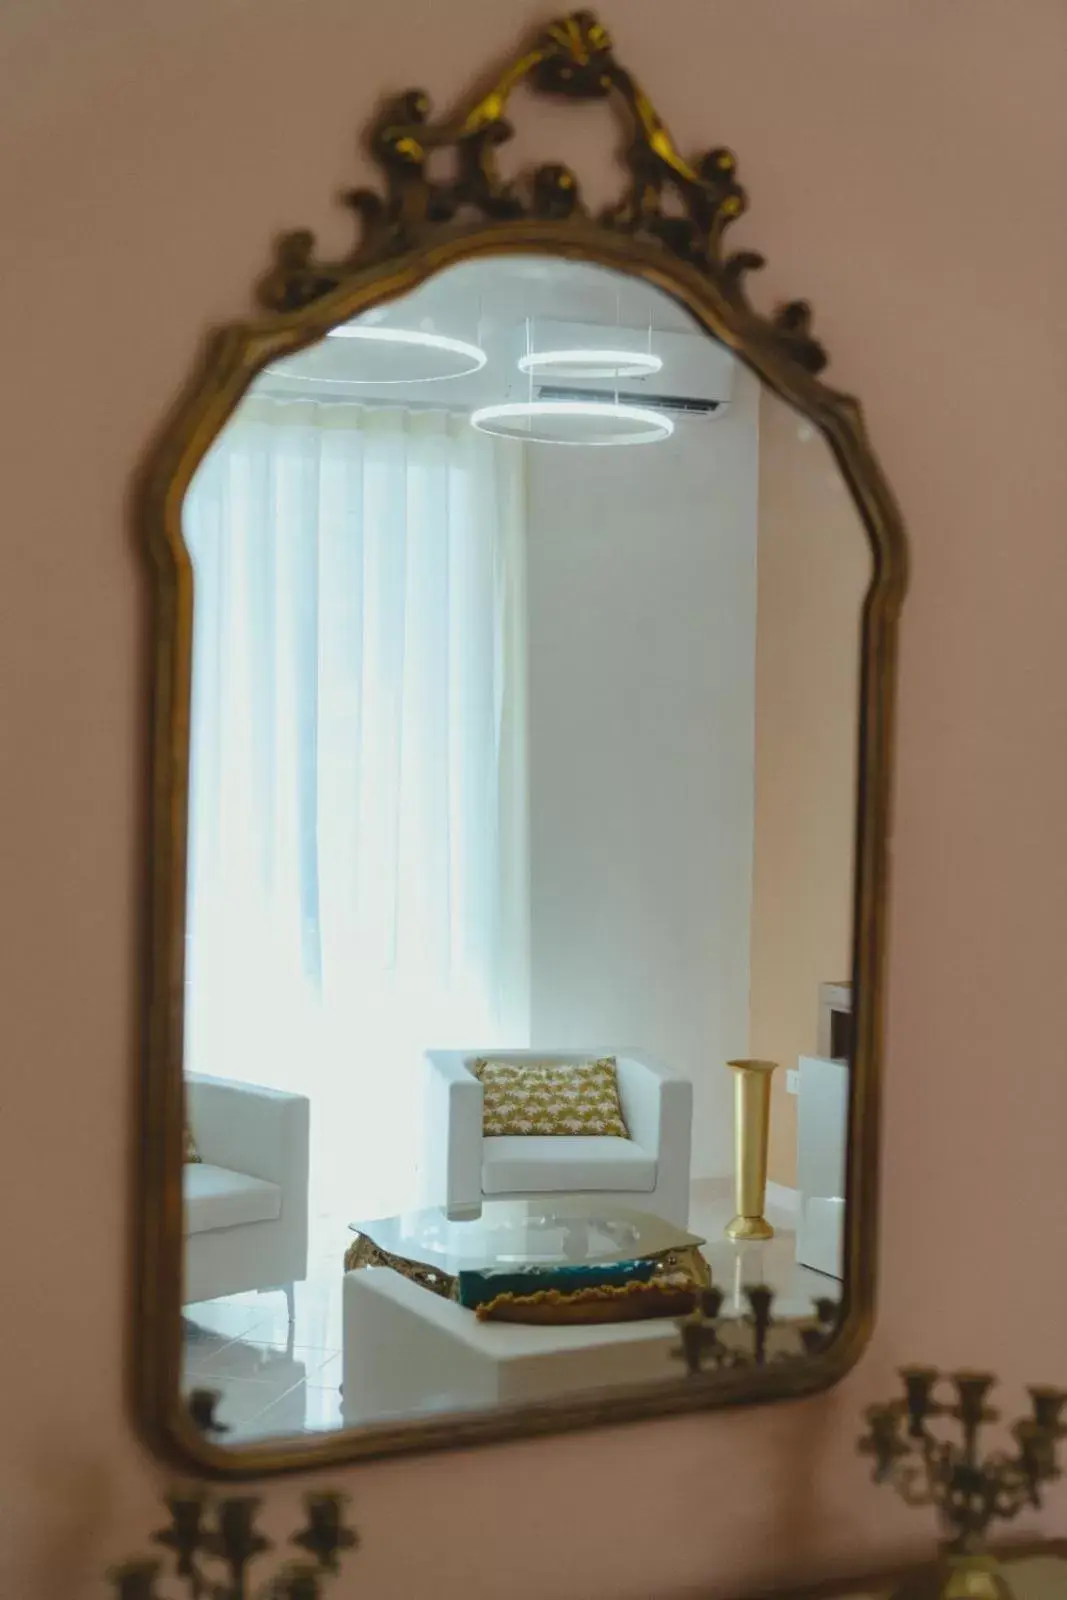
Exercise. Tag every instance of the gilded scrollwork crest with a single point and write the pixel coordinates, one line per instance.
(685, 206)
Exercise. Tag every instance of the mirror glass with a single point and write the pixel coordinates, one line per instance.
(522, 804)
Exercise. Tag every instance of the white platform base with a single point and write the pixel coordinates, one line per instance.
(407, 1350)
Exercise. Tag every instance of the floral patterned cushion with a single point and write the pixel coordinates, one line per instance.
(549, 1097)
(191, 1152)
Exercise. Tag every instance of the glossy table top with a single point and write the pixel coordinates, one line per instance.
(573, 1230)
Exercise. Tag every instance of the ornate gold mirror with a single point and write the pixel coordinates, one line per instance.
(525, 614)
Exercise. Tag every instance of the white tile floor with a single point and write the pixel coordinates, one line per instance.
(275, 1379)
(773, 1262)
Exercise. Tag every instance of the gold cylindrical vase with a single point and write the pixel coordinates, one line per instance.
(752, 1124)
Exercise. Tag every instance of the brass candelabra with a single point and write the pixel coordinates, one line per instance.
(969, 1490)
(214, 1543)
(703, 1347)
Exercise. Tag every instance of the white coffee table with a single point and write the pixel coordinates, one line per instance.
(407, 1352)
(410, 1348)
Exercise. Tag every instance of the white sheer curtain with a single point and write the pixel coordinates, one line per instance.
(358, 860)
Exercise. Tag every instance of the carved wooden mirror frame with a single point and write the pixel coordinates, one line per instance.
(667, 229)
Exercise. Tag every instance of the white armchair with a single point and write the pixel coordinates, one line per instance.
(246, 1199)
(648, 1171)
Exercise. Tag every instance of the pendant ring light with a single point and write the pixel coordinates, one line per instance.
(590, 363)
(410, 351)
(601, 420)
(573, 422)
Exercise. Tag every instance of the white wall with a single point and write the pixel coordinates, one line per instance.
(642, 598)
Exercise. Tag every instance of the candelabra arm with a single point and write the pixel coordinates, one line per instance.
(205, 1532)
(912, 1486)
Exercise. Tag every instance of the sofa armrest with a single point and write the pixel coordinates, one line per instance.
(452, 1168)
(657, 1103)
(261, 1132)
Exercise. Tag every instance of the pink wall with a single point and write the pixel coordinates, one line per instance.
(906, 162)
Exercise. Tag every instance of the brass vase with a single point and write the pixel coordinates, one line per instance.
(752, 1122)
(958, 1577)
(974, 1577)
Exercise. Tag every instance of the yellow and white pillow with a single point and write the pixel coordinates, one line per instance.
(550, 1097)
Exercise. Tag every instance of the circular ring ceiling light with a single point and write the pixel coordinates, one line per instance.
(573, 422)
(590, 363)
(410, 355)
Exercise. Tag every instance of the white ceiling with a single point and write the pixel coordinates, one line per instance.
(507, 289)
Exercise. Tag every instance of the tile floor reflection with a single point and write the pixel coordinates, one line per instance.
(276, 1379)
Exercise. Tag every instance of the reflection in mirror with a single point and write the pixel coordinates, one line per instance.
(522, 801)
